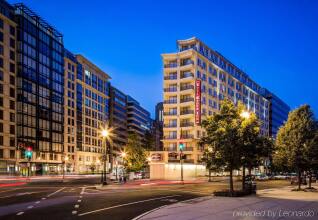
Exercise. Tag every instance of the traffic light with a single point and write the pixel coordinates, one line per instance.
(181, 146)
(28, 153)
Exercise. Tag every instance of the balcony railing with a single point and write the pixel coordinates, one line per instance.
(171, 65)
(170, 113)
(171, 148)
(173, 160)
(170, 101)
(186, 136)
(186, 100)
(187, 87)
(187, 124)
(187, 75)
(172, 77)
(174, 89)
(186, 112)
(188, 149)
(188, 161)
(186, 62)
(170, 137)
(170, 125)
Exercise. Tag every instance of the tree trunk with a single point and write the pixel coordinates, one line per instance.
(299, 180)
(243, 178)
(210, 175)
(231, 182)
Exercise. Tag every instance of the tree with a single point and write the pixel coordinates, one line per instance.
(293, 143)
(222, 136)
(136, 155)
(312, 156)
(212, 161)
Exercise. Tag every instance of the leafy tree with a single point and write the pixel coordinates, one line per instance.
(136, 155)
(294, 141)
(222, 136)
(312, 156)
(212, 161)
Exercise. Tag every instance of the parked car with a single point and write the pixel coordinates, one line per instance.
(280, 177)
(261, 177)
(294, 180)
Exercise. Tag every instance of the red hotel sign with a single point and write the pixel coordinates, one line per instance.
(198, 102)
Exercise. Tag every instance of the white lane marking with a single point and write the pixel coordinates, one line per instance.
(37, 202)
(74, 212)
(146, 213)
(79, 200)
(81, 196)
(83, 190)
(30, 206)
(76, 206)
(43, 198)
(56, 192)
(20, 213)
(126, 204)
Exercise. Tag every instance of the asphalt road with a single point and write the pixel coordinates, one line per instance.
(80, 199)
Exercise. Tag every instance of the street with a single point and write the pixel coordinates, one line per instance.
(84, 198)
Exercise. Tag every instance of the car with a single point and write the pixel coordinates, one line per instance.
(261, 177)
(280, 177)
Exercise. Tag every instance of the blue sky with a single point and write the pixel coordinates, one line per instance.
(273, 41)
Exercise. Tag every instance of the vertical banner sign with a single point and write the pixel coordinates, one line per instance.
(198, 102)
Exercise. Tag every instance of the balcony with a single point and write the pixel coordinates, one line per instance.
(186, 112)
(188, 161)
(187, 136)
(170, 101)
(172, 89)
(171, 65)
(170, 113)
(188, 149)
(187, 124)
(186, 100)
(186, 62)
(187, 87)
(170, 137)
(173, 149)
(171, 77)
(170, 125)
(186, 75)
(173, 160)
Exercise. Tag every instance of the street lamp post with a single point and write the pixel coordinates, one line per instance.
(105, 134)
(181, 146)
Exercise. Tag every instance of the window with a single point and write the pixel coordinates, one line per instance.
(1, 36)
(1, 49)
(12, 129)
(1, 101)
(12, 30)
(12, 154)
(1, 23)
(1, 152)
(12, 55)
(12, 117)
(12, 67)
(1, 143)
(1, 114)
(12, 43)
(1, 127)
(12, 92)
(12, 80)
(12, 141)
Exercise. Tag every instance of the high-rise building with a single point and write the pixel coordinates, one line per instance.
(118, 119)
(8, 163)
(92, 114)
(138, 118)
(157, 127)
(196, 80)
(40, 90)
(159, 112)
(278, 112)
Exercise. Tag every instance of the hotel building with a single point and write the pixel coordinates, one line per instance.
(196, 80)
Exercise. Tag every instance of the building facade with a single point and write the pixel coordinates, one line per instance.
(8, 162)
(196, 80)
(158, 127)
(278, 112)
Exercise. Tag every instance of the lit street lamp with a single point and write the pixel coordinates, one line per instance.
(105, 134)
(245, 115)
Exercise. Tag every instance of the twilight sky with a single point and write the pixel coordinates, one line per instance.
(274, 41)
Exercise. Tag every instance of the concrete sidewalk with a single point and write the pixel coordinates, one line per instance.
(271, 204)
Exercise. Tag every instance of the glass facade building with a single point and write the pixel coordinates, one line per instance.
(40, 89)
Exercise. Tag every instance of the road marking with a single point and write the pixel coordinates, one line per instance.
(43, 198)
(9, 190)
(56, 192)
(37, 202)
(81, 196)
(30, 207)
(76, 206)
(74, 212)
(126, 204)
(83, 190)
(20, 213)
(79, 200)
(146, 213)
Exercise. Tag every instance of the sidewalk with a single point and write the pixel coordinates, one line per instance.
(271, 204)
